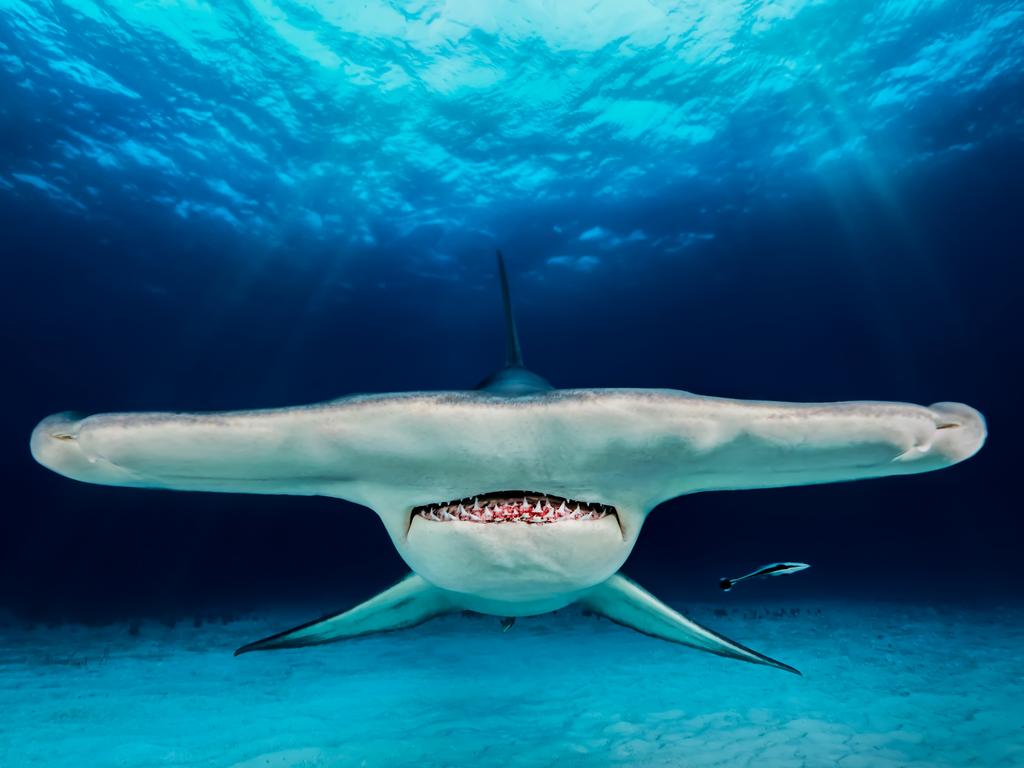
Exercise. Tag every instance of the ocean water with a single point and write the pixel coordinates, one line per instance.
(884, 687)
(249, 204)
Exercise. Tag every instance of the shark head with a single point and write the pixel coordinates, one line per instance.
(514, 498)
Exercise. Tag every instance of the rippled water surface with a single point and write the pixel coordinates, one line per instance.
(364, 122)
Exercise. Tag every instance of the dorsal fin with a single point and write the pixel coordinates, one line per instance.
(513, 353)
(513, 380)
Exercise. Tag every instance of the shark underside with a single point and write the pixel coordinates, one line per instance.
(513, 499)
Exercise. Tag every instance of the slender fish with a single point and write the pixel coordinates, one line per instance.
(775, 569)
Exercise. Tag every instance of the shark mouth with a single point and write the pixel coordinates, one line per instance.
(514, 507)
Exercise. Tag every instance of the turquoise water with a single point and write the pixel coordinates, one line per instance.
(884, 686)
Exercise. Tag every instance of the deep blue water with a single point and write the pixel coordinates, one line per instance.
(248, 204)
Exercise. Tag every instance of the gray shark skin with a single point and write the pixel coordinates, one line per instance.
(513, 499)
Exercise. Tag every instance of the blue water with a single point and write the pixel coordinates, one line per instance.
(445, 127)
(223, 205)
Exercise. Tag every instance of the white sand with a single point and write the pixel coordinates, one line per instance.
(883, 686)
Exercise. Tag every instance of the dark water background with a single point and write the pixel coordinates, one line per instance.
(862, 281)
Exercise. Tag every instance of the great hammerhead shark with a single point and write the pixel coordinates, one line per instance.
(514, 498)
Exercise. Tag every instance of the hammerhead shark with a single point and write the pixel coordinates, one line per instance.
(513, 498)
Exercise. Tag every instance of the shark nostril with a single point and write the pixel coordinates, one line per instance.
(63, 436)
(949, 425)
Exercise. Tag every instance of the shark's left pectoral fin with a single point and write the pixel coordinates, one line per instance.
(410, 602)
(626, 603)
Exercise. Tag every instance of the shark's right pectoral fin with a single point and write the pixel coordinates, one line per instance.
(626, 603)
(410, 602)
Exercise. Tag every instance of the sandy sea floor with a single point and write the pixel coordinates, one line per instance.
(883, 685)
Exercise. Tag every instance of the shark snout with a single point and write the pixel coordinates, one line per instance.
(61, 443)
(960, 431)
(54, 441)
(956, 433)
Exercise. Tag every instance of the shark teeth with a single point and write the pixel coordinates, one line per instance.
(513, 507)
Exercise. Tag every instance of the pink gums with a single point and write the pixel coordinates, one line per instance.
(512, 511)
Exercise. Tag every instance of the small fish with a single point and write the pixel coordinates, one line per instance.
(507, 622)
(775, 569)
